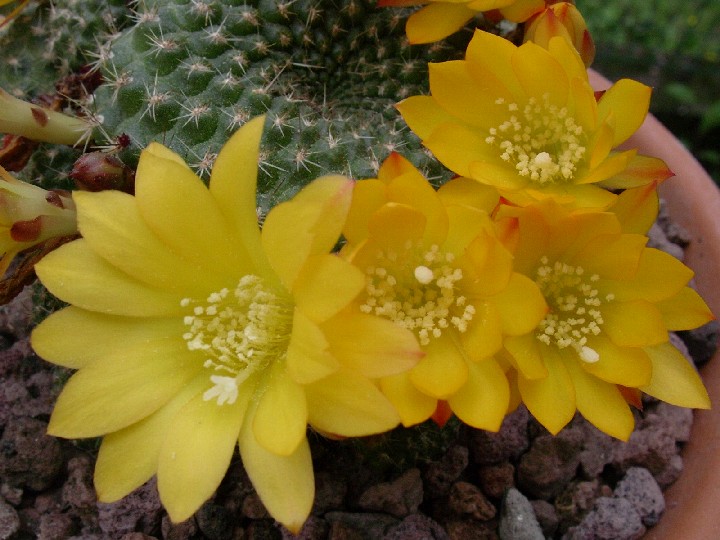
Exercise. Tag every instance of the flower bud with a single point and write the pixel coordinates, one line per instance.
(98, 171)
(19, 117)
(561, 19)
(30, 215)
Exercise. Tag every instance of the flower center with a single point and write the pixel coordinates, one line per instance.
(240, 332)
(542, 141)
(417, 290)
(575, 304)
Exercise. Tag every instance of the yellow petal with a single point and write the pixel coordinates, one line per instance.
(128, 458)
(483, 337)
(540, 74)
(325, 285)
(467, 192)
(636, 323)
(483, 401)
(75, 274)
(601, 403)
(674, 379)
(685, 311)
(521, 305)
(560, 47)
(309, 224)
(465, 224)
(640, 171)
(233, 183)
(522, 10)
(423, 114)
(196, 452)
(612, 256)
(281, 416)
(179, 209)
(550, 400)
(285, 484)
(613, 165)
(628, 366)
(394, 224)
(525, 353)
(112, 226)
(637, 208)
(123, 388)
(349, 405)
(372, 346)
(436, 21)
(368, 196)
(628, 101)
(489, 58)
(413, 189)
(413, 406)
(487, 266)
(443, 370)
(74, 337)
(308, 355)
(492, 173)
(458, 147)
(584, 103)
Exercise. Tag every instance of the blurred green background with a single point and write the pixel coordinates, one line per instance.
(673, 46)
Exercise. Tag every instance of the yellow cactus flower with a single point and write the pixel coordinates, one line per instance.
(612, 302)
(433, 265)
(525, 120)
(440, 18)
(194, 332)
(30, 215)
(561, 19)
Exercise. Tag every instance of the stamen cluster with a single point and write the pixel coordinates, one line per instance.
(240, 333)
(574, 307)
(543, 141)
(418, 292)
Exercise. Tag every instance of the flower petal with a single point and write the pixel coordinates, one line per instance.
(436, 21)
(489, 58)
(458, 147)
(601, 403)
(179, 209)
(541, 74)
(483, 337)
(550, 400)
(394, 224)
(113, 227)
(521, 305)
(636, 323)
(637, 208)
(685, 311)
(525, 353)
(233, 183)
(423, 114)
(285, 484)
(123, 388)
(349, 405)
(413, 406)
(280, 419)
(368, 196)
(372, 346)
(309, 224)
(75, 274)
(483, 401)
(464, 191)
(674, 379)
(628, 102)
(196, 452)
(128, 458)
(628, 366)
(443, 370)
(640, 171)
(74, 337)
(325, 285)
(308, 356)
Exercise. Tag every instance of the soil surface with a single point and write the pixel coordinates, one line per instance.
(421, 483)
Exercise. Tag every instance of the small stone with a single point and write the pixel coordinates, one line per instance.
(28, 456)
(658, 239)
(314, 528)
(56, 527)
(670, 473)
(507, 444)
(78, 491)
(649, 448)
(467, 501)
(517, 518)
(398, 498)
(138, 536)
(640, 488)
(495, 480)
(550, 464)
(330, 492)
(597, 450)
(440, 475)
(253, 508)
(178, 531)
(9, 521)
(11, 494)
(369, 526)
(469, 529)
(214, 521)
(610, 519)
(140, 511)
(702, 343)
(547, 517)
(676, 421)
(417, 526)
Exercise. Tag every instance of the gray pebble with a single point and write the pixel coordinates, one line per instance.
(517, 518)
(642, 490)
(611, 519)
(9, 521)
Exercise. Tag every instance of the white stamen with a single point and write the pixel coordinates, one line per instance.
(423, 274)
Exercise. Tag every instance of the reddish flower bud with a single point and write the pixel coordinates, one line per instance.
(561, 19)
(98, 171)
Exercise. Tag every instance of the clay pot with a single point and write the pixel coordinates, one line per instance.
(693, 200)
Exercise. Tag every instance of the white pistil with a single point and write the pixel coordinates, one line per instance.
(240, 333)
(575, 313)
(542, 141)
(417, 290)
